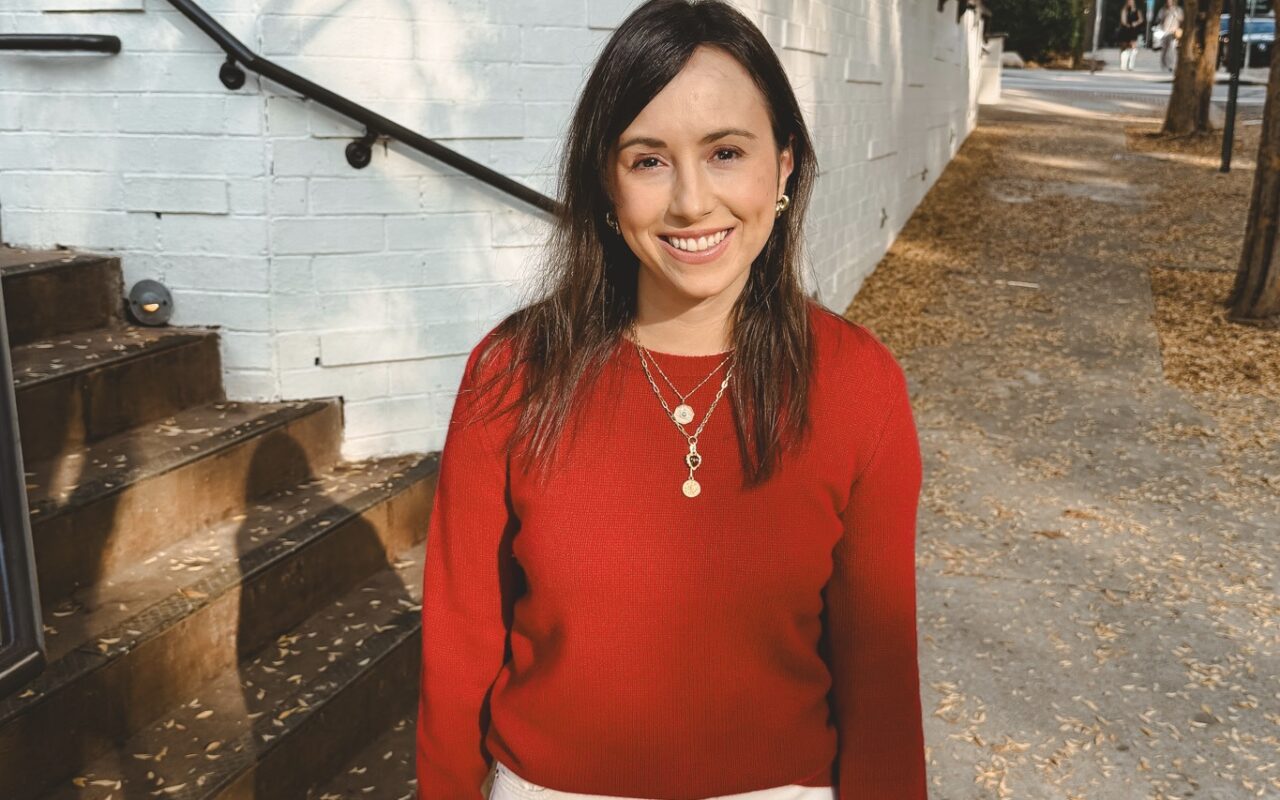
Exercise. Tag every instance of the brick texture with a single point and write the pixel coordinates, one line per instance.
(373, 284)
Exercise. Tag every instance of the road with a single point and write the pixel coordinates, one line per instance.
(1143, 92)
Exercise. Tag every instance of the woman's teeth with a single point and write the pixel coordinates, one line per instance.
(701, 243)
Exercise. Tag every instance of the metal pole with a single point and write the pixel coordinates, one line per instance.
(1097, 26)
(1253, 10)
(1247, 15)
(22, 646)
(1235, 32)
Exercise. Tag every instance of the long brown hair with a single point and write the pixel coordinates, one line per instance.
(587, 288)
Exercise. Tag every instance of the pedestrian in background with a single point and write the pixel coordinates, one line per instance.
(1131, 24)
(1169, 21)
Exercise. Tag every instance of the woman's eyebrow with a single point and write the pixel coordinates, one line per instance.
(649, 141)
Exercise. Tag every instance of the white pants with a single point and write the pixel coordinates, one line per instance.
(509, 786)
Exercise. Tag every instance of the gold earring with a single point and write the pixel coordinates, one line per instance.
(612, 221)
(782, 205)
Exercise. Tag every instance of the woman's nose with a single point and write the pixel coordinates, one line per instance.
(691, 197)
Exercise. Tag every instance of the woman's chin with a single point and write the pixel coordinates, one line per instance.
(703, 282)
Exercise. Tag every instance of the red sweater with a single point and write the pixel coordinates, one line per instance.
(608, 635)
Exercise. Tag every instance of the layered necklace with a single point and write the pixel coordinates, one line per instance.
(683, 413)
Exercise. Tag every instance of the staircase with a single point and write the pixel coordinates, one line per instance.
(230, 609)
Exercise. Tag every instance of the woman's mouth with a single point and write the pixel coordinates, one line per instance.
(698, 256)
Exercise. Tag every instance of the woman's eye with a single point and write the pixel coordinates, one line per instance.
(723, 154)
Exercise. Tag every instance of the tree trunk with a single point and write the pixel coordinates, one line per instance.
(1078, 19)
(1255, 298)
(1189, 101)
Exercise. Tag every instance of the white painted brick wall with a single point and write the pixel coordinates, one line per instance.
(373, 285)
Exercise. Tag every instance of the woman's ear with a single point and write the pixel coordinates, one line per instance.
(604, 174)
(607, 179)
(786, 163)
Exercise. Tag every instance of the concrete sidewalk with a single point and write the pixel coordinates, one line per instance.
(1098, 613)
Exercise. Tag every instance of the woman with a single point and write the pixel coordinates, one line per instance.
(1127, 35)
(711, 593)
(1169, 21)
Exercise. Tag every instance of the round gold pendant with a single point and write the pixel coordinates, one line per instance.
(683, 414)
(691, 488)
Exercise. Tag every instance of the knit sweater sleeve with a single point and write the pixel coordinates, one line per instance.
(463, 628)
(870, 607)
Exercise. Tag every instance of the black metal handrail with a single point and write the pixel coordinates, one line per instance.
(90, 42)
(360, 151)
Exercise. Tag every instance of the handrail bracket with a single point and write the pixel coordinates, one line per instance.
(230, 73)
(360, 152)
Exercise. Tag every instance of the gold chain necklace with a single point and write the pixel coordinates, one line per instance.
(692, 459)
(683, 413)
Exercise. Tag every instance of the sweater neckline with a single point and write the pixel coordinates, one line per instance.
(673, 363)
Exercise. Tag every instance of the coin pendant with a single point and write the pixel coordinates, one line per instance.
(691, 488)
(683, 414)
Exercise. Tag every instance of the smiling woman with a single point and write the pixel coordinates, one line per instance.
(708, 589)
(696, 181)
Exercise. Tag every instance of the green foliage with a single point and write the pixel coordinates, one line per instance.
(1036, 28)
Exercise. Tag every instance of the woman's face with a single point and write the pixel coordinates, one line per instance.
(699, 159)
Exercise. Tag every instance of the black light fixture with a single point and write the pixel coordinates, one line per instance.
(150, 303)
(963, 6)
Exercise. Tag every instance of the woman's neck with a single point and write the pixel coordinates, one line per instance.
(683, 337)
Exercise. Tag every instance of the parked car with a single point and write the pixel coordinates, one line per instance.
(1259, 37)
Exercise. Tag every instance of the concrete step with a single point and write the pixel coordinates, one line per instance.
(383, 769)
(289, 715)
(49, 293)
(98, 510)
(128, 650)
(229, 610)
(78, 388)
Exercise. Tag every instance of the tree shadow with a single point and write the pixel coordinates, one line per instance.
(282, 588)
